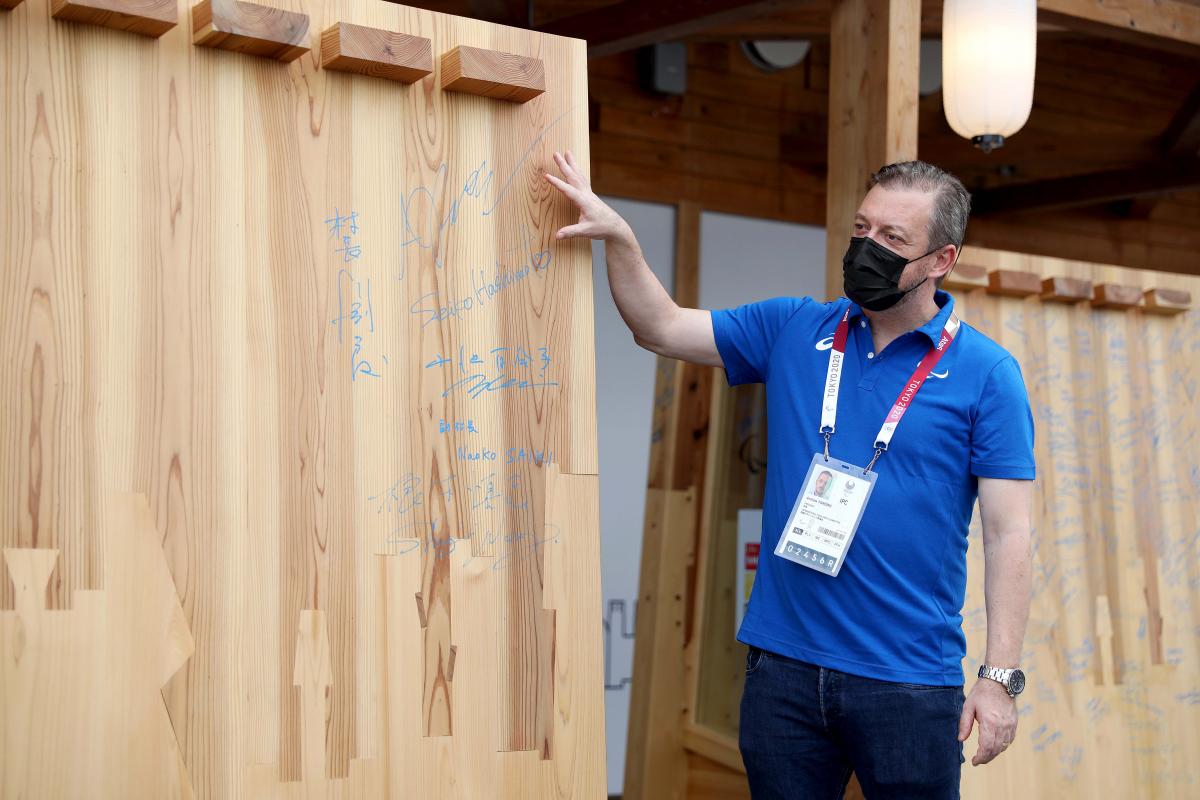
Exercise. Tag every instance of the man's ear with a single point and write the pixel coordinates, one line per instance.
(944, 262)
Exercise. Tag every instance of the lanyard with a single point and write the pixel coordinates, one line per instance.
(833, 381)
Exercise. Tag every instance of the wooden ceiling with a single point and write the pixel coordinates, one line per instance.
(1114, 131)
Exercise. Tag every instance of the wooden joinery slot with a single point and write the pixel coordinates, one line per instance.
(372, 51)
(250, 28)
(1167, 301)
(1110, 295)
(490, 73)
(966, 276)
(1066, 290)
(146, 17)
(1010, 283)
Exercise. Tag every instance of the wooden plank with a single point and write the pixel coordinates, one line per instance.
(129, 638)
(1161, 177)
(372, 51)
(655, 764)
(145, 17)
(966, 277)
(1111, 295)
(250, 28)
(633, 23)
(1011, 283)
(1066, 290)
(1166, 24)
(872, 108)
(1167, 301)
(6, 5)
(490, 73)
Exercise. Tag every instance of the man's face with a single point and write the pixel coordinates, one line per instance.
(822, 482)
(898, 219)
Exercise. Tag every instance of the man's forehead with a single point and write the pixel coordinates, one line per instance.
(904, 209)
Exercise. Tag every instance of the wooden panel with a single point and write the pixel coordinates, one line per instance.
(317, 318)
(1167, 301)
(490, 73)
(1010, 283)
(872, 108)
(1111, 648)
(1170, 24)
(1111, 295)
(1066, 290)
(147, 17)
(966, 277)
(122, 644)
(371, 51)
(250, 28)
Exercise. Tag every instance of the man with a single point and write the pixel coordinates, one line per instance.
(821, 489)
(854, 625)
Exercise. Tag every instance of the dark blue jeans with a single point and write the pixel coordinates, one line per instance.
(804, 729)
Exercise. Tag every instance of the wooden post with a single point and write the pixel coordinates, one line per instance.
(656, 765)
(873, 76)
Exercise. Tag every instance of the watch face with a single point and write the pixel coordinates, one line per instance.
(1016, 682)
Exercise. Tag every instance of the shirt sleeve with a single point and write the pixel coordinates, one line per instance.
(746, 335)
(1002, 437)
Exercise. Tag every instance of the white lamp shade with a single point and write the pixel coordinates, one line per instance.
(989, 50)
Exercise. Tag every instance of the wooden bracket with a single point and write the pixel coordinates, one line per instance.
(490, 73)
(1110, 295)
(967, 277)
(372, 51)
(9, 4)
(1011, 283)
(250, 28)
(145, 17)
(1066, 290)
(1167, 301)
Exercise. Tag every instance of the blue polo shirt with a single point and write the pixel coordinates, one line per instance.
(894, 611)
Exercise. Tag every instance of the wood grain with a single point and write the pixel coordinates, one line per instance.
(192, 323)
(250, 28)
(145, 17)
(1167, 301)
(967, 277)
(1111, 295)
(371, 51)
(122, 643)
(490, 73)
(1066, 290)
(1011, 283)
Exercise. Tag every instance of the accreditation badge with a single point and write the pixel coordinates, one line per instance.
(826, 515)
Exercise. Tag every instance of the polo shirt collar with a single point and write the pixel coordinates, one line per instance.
(932, 329)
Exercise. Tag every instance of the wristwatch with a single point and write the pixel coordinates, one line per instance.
(1012, 680)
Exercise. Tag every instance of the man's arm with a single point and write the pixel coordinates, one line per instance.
(657, 322)
(1004, 507)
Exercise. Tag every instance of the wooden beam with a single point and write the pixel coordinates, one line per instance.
(1061, 289)
(1112, 295)
(1013, 283)
(1182, 136)
(873, 98)
(490, 73)
(1167, 301)
(1163, 24)
(144, 17)
(1160, 177)
(371, 51)
(966, 277)
(250, 28)
(636, 23)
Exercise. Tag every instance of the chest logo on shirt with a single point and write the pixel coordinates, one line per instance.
(940, 375)
(825, 343)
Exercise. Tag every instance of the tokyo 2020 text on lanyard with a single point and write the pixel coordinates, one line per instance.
(834, 494)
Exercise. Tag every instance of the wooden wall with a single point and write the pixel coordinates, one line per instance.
(745, 142)
(318, 325)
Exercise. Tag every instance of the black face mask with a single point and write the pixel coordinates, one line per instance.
(871, 274)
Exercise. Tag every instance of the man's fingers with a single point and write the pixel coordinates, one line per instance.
(989, 745)
(567, 165)
(572, 231)
(578, 172)
(966, 720)
(566, 188)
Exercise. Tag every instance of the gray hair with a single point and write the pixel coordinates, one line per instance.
(951, 201)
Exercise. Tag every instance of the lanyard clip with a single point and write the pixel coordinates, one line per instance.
(880, 449)
(827, 433)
